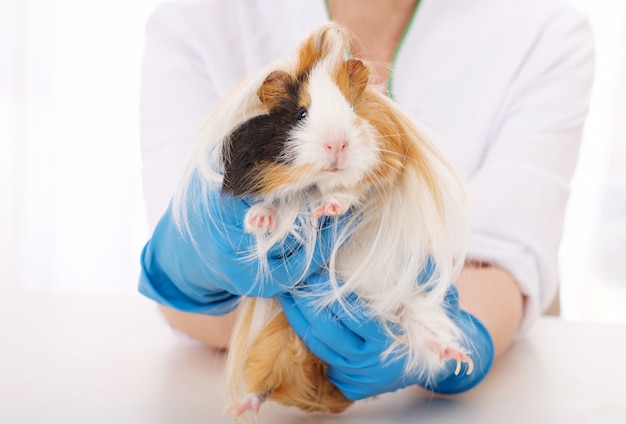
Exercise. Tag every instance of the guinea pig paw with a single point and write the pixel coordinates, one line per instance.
(260, 219)
(327, 208)
(251, 402)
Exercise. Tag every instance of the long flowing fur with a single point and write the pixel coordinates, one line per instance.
(411, 209)
(418, 214)
(268, 355)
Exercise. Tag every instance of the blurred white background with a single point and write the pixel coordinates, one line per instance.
(72, 214)
(593, 250)
(71, 210)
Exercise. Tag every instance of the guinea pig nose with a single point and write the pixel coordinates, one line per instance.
(336, 146)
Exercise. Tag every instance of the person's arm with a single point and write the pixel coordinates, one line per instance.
(170, 116)
(176, 96)
(211, 331)
(177, 93)
(521, 188)
(491, 295)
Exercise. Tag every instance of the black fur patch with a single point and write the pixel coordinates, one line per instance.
(260, 140)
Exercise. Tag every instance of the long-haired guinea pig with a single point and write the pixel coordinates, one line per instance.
(309, 138)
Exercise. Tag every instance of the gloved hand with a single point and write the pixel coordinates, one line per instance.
(352, 344)
(208, 271)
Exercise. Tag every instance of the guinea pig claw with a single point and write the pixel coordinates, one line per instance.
(459, 357)
(451, 353)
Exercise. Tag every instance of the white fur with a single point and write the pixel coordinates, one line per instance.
(331, 117)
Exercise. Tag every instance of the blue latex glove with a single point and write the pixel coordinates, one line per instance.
(209, 273)
(352, 345)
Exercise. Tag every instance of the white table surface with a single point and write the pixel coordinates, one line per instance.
(75, 358)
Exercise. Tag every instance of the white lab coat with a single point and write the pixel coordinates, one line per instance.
(502, 85)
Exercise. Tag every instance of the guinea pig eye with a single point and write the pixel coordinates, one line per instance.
(301, 114)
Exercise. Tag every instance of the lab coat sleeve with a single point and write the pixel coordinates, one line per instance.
(177, 94)
(521, 189)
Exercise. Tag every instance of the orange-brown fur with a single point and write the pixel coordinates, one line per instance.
(279, 362)
(314, 48)
(398, 149)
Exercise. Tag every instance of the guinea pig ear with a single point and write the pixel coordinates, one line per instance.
(274, 88)
(359, 75)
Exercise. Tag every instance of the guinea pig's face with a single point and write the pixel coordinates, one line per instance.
(324, 140)
(331, 141)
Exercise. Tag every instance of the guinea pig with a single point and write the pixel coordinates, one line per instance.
(310, 138)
